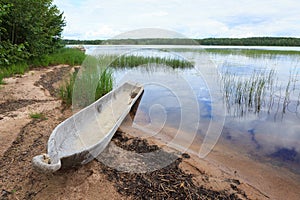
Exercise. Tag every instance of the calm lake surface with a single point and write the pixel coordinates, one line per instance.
(252, 92)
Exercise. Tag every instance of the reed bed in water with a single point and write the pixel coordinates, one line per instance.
(253, 52)
(259, 91)
(134, 61)
(95, 78)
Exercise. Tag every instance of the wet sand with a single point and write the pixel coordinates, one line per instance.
(263, 180)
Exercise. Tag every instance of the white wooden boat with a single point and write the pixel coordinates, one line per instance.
(83, 136)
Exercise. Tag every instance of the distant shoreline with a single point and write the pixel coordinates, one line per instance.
(252, 41)
(245, 50)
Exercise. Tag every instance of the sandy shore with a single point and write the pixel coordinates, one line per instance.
(226, 171)
(259, 180)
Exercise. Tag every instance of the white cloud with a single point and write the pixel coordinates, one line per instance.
(94, 19)
(104, 31)
(156, 14)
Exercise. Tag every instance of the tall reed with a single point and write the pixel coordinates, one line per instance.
(91, 82)
(134, 61)
(258, 91)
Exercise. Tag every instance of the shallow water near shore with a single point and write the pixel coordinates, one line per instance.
(184, 100)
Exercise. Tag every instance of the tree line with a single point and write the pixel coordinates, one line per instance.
(252, 41)
(28, 29)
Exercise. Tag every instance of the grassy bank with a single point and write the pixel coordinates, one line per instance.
(67, 56)
(14, 69)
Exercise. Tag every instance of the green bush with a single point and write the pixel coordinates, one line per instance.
(12, 53)
(29, 29)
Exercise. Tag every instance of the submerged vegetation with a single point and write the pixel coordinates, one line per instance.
(260, 91)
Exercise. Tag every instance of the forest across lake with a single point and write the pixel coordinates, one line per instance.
(251, 41)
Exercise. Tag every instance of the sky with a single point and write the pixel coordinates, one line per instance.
(106, 19)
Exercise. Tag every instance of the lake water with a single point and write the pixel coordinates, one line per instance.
(213, 99)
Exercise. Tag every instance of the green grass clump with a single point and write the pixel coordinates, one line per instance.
(37, 116)
(14, 69)
(105, 83)
(66, 90)
(89, 84)
(134, 61)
